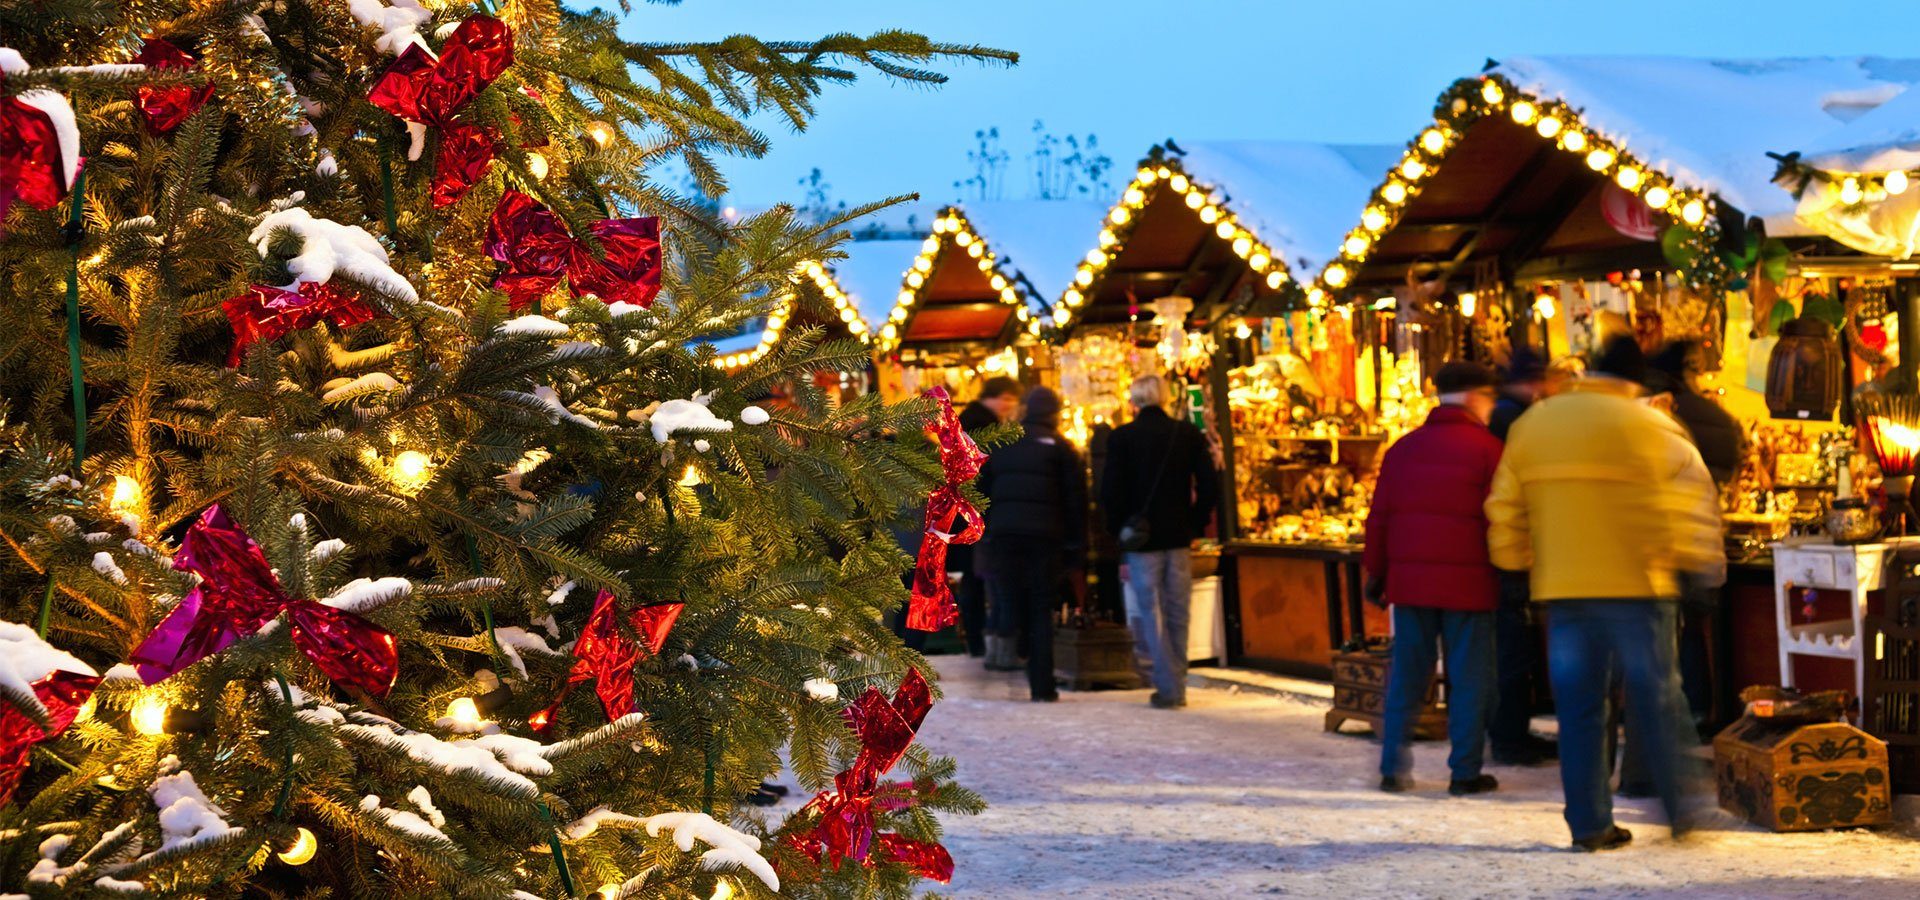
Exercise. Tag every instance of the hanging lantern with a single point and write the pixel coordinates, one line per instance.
(1803, 373)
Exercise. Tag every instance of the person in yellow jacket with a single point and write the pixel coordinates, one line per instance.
(1606, 504)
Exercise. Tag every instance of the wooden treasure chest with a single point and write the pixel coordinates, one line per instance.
(1793, 763)
(1360, 692)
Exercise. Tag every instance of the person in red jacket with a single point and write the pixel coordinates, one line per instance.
(1426, 554)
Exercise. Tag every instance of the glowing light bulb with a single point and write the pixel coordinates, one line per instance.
(963, 238)
(1850, 191)
(1543, 306)
(1209, 213)
(601, 133)
(1195, 200)
(1600, 159)
(1394, 192)
(1336, 275)
(303, 849)
(1627, 178)
(1243, 330)
(1275, 279)
(1242, 246)
(411, 469)
(126, 495)
(1374, 219)
(1658, 197)
(1467, 303)
(1134, 197)
(1074, 297)
(1061, 316)
(1260, 261)
(464, 711)
(537, 166)
(1145, 175)
(1224, 230)
(999, 282)
(1356, 245)
(1694, 212)
(904, 298)
(1412, 169)
(1548, 126)
(1083, 277)
(722, 890)
(1096, 258)
(1490, 91)
(1575, 141)
(1895, 183)
(690, 477)
(1433, 140)
(1523, 112)
(149, 714)
(1119, 215)
(889, 333)
(915, 279)
(976, 250)
(1180, 184)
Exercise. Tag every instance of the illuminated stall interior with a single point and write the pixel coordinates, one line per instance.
(966, 304)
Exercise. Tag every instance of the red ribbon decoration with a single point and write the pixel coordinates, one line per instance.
(606, 657)
(164, 107)
(266, 313)
(932, 607)
(538, 251)
(421, 88)
(31, 168)
(62, 693)
(238, 594)
(845, 829)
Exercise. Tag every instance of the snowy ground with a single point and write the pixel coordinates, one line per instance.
(1243, 795)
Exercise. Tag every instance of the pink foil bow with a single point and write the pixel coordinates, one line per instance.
(164, 107)
(931, 607)
(606, 657)
(538, 250)
(266, 313)
(420, 87)
(238, 594)
(62, 693)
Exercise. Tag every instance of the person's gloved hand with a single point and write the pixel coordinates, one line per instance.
(1375, 590)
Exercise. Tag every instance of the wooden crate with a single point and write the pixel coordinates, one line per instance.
(1094, 655)
(1360, 695)
(1798, 776)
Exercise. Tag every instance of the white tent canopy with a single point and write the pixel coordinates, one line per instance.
(1299, 198)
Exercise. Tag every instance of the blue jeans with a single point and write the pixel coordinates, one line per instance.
(1418, 633)
(1158, 612)
(1588, 642)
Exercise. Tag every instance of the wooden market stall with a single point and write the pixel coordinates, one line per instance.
(967, 304)
(1551, 201)
(1191, 279)
(816, 300)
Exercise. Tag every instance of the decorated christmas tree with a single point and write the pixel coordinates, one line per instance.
(356, 410)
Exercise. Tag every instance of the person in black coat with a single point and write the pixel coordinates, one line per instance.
(1715, 433)
(1159, 470)
(1036, 490)
(998, 401)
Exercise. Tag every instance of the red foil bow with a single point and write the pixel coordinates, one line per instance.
(932, 607)
(606, 657)
(266, 313)
(166, 106)
(32, 166)
(845, 827)
(62, 693)
(238, 594)
(421, 88)
(538, 251)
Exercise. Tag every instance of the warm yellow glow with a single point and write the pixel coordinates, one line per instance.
(1523, 112)
(1260, 261)
(1317, 297)
(1548, 126)
(1242, 246)
(1628, 177)
(1574, 140)
(998, 281)
(464, 711)
(963, 238)
(1658, 197)
(126, 495)
(915, 279)
(939, 226)
(1243, 330)
(889, 332)
(1062, 315)
(1180, 184)
(1163, 171)
(1336, 275)
(1134, 197)
(904, 298)
(1033, 327)
(930, 246)
(537, 166)
(411, 470)
(1074, 297)
(1224, 230)
(303, 849)
(722, 890)
(1600, 159)
(1543, 306)
(149, 714)
(1145, 175)
(601, 133)
(1491, 92)
(1356, 245)
(1412, 169)
(691, 476)
(1119, 215)
(1394, 193)
(1694, 212)
(1895, 183)
(1208, 213)
(1374, 219)
(1096, 258)
(1433, 140)
(1275, 279)
(1467, 303)
(975, 250)
(923, 263)
(1850, 191)
(1195, 200)
(1083, 277)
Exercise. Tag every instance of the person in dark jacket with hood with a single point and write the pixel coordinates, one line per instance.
(1714, 432)
(1036, 489)
(1160, 470)
(1426, 554)
(998, 401)
(1522, 673)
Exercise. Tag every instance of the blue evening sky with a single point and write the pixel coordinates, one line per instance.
(1135, 72)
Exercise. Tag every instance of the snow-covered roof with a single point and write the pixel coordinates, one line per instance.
(1298, 198)
(1040, 240)
(1885, 139)
(1710, 124)
(872, 273)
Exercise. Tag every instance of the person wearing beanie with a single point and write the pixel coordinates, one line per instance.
(1603, 501)
(998, 403)
(1714, 432)
(1036, 490)
(1426, 556)
(1526, 372)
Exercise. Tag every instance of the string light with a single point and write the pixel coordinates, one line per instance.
(1468, 301)
(1694, 212)
(1490, 91)
(411, 470)
(303, 848)
(1523, 112)
(537, 166)
(951, 227)
(691, 477)
(1433, 140)
(1627, 178)
(149, 714)
(1243, 330)
(464, 712)
(1850, 191)
(1600, 159)
(126, 495)
(1548, 126)
(1543, 307)
(1658, 197)
(1895, 183)
(722, 889)
(601, 133)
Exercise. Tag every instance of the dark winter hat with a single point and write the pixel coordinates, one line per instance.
(999, 386)
(1525, 365)
(1043, 407)
(1621, 358)
(1462, 375)
(1675, 359)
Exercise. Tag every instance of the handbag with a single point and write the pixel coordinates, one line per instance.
(1137, 531)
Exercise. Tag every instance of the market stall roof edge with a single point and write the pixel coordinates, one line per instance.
(753, 343)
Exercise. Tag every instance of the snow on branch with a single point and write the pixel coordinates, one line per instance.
(187, 817)
(405, 821)
(25, 659)
(501, 761)
(328, 247)
(731, 849)
(620, 729)
(685, 415)
(363, 595)
(532, 325)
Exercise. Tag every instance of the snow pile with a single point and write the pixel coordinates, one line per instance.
(326, 550)
(619, 308)
(685, 415)
(559, 594)
(514, 640)
(327, 167)
(499, 759)
(187, 817)
(403, 820)
(754, 415)
(399, 24)
(12, 63)
(120, 672)
(114, 885)
(585, 826)
(822, 689)
(48, 869)
(557, 411)
(533, 325)
(327, 247)
(423, 801)
(363, 595)
(365, 384)
(730, 848)
(108, 569)
(25, 659)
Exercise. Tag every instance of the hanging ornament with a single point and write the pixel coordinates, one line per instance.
(606, 657)
(931, 607)
(39, 149)
(425, 89)
(844, 828)
(538, 250)
(266, 313)
(164, 107)
(58, 684)
(238, 594)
